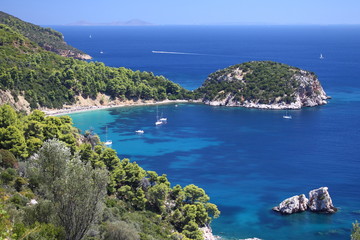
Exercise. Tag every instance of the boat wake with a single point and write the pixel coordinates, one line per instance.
(179, 53)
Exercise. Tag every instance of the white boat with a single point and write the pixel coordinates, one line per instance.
(139, 131)
(321, 56)
(158, 121)
(107, 142)
(101, 52)
(287, 116)
(163, 119)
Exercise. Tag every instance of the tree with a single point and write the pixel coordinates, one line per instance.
(195, 194)
(75, 189)
(8, 116)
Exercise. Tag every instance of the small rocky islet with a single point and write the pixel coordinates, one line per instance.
(319, 201)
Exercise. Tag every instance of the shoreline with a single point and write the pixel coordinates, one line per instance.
(70, 109)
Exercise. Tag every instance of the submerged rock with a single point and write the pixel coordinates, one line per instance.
(292, 205)
(320, 201)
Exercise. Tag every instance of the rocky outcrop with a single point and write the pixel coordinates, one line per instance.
(19, 102)
(207, 233)
(260, 85)
(292, 205)
(67, 52)
(320, 201)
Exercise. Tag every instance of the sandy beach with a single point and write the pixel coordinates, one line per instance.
(67, 109)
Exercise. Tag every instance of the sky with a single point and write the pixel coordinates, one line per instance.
(186, 12)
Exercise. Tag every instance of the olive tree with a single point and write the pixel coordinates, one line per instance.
(75, 188)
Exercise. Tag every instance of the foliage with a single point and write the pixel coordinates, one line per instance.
(355, 233)
(24, 135)
(259, 81)
(74, 187)
(69, 181)
(119, 230)
(45, 37)
(7, 159)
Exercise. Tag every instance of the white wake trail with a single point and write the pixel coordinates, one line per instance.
(179, 53)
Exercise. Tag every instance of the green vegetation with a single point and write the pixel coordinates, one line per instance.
(46, 38)
(49, 80)
(264, 82)
(83, 190)
(355, 233)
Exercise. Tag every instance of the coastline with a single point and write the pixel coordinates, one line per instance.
(77, 108)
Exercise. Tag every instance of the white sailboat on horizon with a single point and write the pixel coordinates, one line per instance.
(321, 56)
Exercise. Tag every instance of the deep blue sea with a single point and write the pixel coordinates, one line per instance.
(247, 160)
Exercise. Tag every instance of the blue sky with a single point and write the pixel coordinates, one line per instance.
(184, 12)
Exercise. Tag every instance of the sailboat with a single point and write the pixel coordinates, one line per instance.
(107, 142)
(321, 56)
(163, 119)
(158, 122)
(287, 116)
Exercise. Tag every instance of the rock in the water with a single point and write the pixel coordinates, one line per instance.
(320, 201)
(292, 205)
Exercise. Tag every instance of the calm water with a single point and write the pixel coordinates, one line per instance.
(247, 160)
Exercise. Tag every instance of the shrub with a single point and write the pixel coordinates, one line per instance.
(7, 159)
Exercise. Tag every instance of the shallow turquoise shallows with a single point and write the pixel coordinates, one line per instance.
(247, 160)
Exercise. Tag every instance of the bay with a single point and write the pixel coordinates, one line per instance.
(247, 160)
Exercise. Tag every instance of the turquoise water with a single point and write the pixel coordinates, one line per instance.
(247, 160)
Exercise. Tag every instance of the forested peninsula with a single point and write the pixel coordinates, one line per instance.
(46, 38)
(32, 77)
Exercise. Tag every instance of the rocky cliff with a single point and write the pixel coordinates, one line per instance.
(263, 84)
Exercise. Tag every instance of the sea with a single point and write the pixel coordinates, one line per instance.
(247, 160)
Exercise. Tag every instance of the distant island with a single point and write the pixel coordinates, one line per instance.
(262, 84)
(132, 22)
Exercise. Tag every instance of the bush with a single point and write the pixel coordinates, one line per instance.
(8, 175)
(7, 159)
(119, 230)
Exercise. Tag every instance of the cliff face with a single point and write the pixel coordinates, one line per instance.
(265, 85)
(19, 103)
(67, 52)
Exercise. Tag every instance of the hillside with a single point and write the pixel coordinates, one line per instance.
(39, 78)
(56, 183)
(262, 84)
(46, 38)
